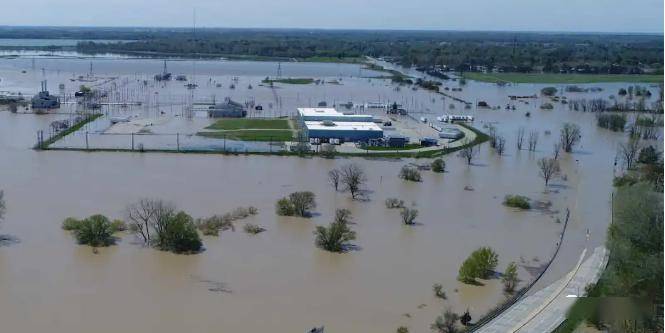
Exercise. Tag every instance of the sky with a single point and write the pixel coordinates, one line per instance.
(494, 15)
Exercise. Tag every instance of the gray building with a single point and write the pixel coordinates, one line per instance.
(44, 100)
(227, 109)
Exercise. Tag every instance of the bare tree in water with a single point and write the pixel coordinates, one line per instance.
(549, 168)
(353, 177)
(520, 137)
(468, 152)
(148, 215)
(628, 152)
(533, 140)
(556, 150)
(334, 177)
(570, 135)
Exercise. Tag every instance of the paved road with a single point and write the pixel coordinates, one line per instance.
(546, 309)
(469, 135)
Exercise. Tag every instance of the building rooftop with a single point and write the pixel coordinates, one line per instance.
(312, 114)
(342, 126)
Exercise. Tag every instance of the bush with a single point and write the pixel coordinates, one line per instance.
(95, 231)
(439, 165)
(479, 265)
(410, 174)
(253, 229)
(336, 236)
(179, 235)
(517, 201)
(392, 203)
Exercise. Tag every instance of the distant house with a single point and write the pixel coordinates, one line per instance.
(227, 109)
(43, 100)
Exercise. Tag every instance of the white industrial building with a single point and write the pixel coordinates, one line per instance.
(328, 123)
(330, 114)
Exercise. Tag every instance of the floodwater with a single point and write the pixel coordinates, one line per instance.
(278, 280)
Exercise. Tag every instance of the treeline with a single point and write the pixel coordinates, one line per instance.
(440, 50)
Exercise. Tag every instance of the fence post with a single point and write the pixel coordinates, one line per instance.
(224, 143)
(177, 139)
(87, 147)
(132, 135)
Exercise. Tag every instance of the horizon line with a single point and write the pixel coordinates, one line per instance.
(345, 29)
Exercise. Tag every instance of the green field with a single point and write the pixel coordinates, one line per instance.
(561, 78)
(290, 80)
(251, 135)
(248, 123)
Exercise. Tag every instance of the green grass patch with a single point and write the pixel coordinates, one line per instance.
(290, 80)
(248, 123)
(68, 131)
(562, 78)
(251, 135)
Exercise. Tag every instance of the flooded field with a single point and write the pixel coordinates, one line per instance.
(278, 280)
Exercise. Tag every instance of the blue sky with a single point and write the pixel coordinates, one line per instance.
(521, 15)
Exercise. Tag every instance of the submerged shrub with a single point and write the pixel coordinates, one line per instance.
(517, 201)
(613, 122)
(71, 223)
(392, 203)
(253, 229)
(284, 207)
(179, 235)
(211, 226)
(479, 265)
(118, 225)
(439, 165)
(95, 231)
(410, 174)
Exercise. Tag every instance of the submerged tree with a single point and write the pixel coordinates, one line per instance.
(3, 207)
(336, 235)
(468, 152)
(410, 173)
(520, 137)
(509, 277)
(334, 177)
(353, 178)
(628, 152)
(549, 168)
(297, 203)
(96, 230)
(533, 140)
(570, 135)
(409, 215)
(479, 264)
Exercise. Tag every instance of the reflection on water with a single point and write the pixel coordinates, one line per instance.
(278, 281)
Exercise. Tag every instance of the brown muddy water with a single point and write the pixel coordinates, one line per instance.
(278, 280)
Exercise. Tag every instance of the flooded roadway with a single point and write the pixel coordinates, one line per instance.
(279, 281)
